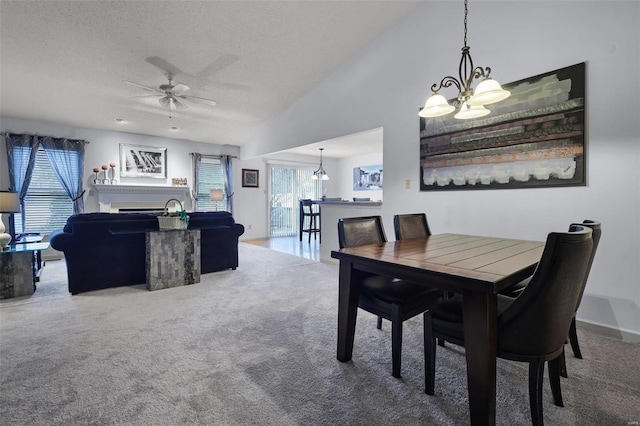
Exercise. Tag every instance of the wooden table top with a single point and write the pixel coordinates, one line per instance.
(482, 263)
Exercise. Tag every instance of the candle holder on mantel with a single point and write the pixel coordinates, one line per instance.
(96, 180)
(112, 174)
(104, 173)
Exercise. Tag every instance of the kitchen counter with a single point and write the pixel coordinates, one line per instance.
(331, 211)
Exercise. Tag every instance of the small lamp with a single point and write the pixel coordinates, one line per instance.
(9, 203)
(216, 195)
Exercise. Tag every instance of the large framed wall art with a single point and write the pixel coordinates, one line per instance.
(143, 161)
(534, 138)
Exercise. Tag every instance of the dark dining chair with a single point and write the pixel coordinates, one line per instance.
(517, 289)
(531, 328)
(414, 225)
(312, 225)
(389, 298)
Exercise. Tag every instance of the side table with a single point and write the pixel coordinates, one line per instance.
(19, 269)
(172, 258)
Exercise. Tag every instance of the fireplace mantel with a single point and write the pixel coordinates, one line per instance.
(111, 198)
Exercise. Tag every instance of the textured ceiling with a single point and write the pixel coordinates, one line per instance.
(65, 61)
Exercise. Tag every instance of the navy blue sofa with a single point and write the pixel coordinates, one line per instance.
(105, 250)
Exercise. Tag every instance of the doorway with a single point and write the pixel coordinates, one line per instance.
(287, 185)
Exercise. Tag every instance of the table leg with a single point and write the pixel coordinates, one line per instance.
(479, 311)
(348, 294)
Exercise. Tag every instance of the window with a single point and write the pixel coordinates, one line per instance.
(210, 177)
(46, 205)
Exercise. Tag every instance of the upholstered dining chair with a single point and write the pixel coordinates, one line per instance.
(309, 212)
(389, 298)
(517, 289)
(413, 225)
(531, 328)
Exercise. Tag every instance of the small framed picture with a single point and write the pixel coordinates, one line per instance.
(143, 161)
(250, 178)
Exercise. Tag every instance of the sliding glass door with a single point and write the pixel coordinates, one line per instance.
(287, 185)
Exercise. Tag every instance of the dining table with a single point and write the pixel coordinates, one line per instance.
(477, 267)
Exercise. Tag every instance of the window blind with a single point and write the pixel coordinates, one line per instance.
(210, 177)
(287, 186)
(46, 205)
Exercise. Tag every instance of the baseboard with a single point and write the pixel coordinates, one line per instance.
(616, 333)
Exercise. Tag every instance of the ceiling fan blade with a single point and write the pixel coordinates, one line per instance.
(163, 65)
(219, 64)
(153, 89)
(209, 101)
(179, 89)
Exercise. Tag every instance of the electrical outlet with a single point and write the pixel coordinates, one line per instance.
(249, 226)
(407, 183)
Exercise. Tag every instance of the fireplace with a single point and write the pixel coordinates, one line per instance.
(139, 198)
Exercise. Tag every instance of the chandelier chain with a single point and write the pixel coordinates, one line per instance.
(466, 11)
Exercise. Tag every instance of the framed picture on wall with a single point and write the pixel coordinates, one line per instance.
(143, 161)
(535, 138)
(250, 178)
(367, 178)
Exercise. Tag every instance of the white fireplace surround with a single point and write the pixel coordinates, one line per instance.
(114, 198)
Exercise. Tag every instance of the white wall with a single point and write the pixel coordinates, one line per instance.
(386, 83)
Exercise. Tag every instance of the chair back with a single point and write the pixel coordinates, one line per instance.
(537, 322)
(596, 229)
(408, 226)
(359, 231)
(307, 206)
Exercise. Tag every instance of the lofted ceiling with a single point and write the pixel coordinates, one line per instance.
(65, 61)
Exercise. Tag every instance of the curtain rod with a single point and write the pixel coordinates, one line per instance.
(213, 155)
(6, 132)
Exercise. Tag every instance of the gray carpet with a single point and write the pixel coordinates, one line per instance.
(257, 346)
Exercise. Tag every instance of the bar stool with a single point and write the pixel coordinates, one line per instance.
(307, 211)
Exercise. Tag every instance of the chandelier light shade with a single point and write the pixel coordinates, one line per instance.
(471, 103)
(320, 173)
(468, 111)
(9, 203)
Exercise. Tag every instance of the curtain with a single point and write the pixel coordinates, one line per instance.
(21, 159)
(196, 160)
(227, 172)
(67, 162)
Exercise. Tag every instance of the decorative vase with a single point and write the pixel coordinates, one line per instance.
(96, 180)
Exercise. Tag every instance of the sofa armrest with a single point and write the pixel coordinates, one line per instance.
(60, 240)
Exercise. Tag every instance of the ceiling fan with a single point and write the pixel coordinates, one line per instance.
(172, 96)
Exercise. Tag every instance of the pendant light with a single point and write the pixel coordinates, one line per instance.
(471, 103)
(320, 173)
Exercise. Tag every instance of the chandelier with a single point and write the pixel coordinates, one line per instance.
(471, 103)
(320, 173)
